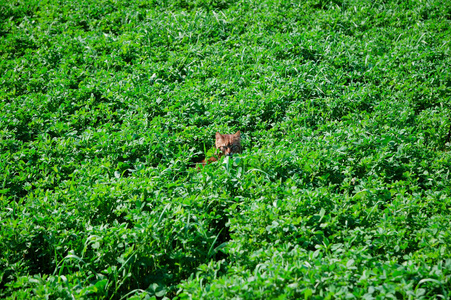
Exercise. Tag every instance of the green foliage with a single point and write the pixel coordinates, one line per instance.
(342, 191)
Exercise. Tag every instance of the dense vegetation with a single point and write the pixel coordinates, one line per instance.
(343, 189)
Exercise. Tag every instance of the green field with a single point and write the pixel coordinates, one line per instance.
(343, 190)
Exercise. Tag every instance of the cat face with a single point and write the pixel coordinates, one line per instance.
(228, 144)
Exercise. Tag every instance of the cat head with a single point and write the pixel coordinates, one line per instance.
(228, 144)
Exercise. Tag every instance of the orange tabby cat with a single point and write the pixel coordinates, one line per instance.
(227, 144)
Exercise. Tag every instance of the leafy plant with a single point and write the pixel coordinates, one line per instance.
(342, 190)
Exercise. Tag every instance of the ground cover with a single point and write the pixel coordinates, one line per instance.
(342, 190)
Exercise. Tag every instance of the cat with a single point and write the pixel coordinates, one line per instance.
(227, 144)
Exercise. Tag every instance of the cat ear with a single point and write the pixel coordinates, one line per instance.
(218, 136)
(238, 133)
